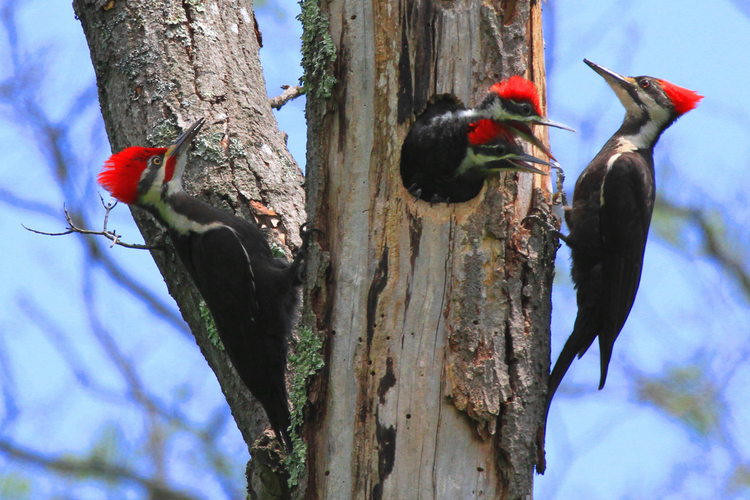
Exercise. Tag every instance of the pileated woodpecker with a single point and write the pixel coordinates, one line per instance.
(251, 294)
(450, 150)
(611, 213)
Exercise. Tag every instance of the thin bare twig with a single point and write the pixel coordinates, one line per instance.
(111, 235)
(290, 92)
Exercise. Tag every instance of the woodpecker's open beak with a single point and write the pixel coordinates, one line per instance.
(523, 160)
(183, 142)
(549, 123)
(524, 131)
(519, 160)
(625, 87)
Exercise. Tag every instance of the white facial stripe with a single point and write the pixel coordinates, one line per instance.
(631, 107)
(497, 112)
(151, 197)
(648, 100)
(647, 134)
(179, 168)
(150, 169)
(182, 224)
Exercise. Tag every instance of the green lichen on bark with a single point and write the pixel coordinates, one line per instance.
(197, 5)
(163, 133)
(318, 50)
(208, 147)
(307, 361)
(208, 320)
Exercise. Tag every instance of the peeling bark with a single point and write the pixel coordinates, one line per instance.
(437, 317)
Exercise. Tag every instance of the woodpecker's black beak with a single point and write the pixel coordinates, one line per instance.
(523, 160)
(519, 160)
(183, 142)
(549, 123)
(524, 131)
(625, 87)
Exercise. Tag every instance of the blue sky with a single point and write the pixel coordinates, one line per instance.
(601, 444)
(687, 308)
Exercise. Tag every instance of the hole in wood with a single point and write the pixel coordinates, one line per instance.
(432, 153)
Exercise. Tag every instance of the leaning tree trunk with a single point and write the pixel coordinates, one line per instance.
(160, 66)
(436, 317)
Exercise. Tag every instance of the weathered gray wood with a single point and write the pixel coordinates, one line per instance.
(437, 317)
(161, 65)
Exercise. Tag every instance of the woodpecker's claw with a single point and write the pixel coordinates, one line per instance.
(549, 227)
(436, 198)
(559, 197)
(415, 191)
(306, 235)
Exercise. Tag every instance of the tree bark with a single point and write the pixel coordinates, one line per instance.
(436, 317)
(160, 66)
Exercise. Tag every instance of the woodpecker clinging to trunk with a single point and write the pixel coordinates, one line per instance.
(450, 150)
(251, 294)
(611, 213)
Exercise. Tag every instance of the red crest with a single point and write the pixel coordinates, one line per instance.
(517, 88)
(486, 131)
(683, 99)
(122, 171)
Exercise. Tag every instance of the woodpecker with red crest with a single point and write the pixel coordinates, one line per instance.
(251, 294)
(610, 216)
(450, 150)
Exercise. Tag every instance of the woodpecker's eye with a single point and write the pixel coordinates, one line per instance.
(526, 108)
(645, 84)
(157, 161)
(497, 149)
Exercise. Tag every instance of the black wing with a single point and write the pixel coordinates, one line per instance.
(224, 275)
(624, 218)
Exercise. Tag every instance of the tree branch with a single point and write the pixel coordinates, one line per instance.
(714, 242)
(110, 235)
(290, 92)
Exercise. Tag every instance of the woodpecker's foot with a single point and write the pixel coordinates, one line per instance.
(306, 235)
(559, 197)
(415, 191)
(436, 198)
(549, 227)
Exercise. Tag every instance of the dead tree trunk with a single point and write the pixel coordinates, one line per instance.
(436, 317)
